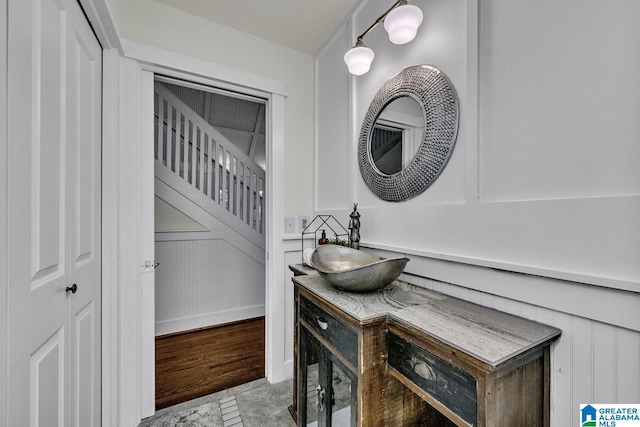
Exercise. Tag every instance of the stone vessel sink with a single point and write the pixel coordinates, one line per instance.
(355, 271)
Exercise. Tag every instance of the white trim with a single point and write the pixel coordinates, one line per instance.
(354, 125)
(274, 283)
(570, 276)
(3, 216)
(99, 15)
(614, 307)
(211, 89)
(183, 324)
(147, 247)
(314, 170)
(129, 177)
(110, 173)
(470, 124)
(199, 70)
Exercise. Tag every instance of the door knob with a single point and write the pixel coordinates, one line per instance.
(73, 288)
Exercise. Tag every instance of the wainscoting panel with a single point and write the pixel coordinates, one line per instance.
(293, 255)
(205, 282)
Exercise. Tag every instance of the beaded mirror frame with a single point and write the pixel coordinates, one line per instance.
(435, 94)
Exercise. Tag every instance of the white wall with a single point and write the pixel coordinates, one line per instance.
(543, 180)
(155, 24)
(528, 166)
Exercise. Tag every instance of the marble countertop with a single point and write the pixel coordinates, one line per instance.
(369, 305)
(488, 335)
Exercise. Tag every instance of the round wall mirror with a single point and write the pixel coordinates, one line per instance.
(408, 133)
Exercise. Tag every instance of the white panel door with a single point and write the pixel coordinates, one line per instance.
(53, 175)
(84, 128)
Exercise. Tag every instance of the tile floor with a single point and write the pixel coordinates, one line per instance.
(255, 404)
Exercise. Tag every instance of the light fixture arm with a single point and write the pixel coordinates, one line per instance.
(400, 21)
(378, 21)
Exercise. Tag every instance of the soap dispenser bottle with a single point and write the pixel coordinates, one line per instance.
(323, 238)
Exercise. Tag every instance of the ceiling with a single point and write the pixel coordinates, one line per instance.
(304, 25)
(239, 120)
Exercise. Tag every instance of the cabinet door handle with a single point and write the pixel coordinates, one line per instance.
(322, 323)
(320, 392)
(423, 369)
(73, 288)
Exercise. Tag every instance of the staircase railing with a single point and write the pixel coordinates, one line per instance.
(195, 151)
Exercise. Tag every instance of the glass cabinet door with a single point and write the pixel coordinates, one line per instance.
(342, 386)
(309, 379)
(328, 389)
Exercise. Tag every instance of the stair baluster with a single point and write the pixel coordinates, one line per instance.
(198, 154)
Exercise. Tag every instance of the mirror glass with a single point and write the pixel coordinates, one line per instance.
(397, 135)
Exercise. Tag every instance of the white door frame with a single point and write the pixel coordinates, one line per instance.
(3, 212)
(135, 384)
(99, 15)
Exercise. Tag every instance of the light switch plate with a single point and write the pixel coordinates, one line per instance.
(289, 224)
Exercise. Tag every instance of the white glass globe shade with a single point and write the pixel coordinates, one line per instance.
(402, 23)
(358, 60)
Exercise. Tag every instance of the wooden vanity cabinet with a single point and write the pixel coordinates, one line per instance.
(331, 341)
(327, 336)
(414, 357)
(468, 391)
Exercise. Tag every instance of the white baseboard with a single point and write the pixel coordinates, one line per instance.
(194, 322)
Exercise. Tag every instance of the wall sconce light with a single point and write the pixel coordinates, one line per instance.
(401, 21)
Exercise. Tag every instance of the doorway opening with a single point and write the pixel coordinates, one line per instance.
(210, 195)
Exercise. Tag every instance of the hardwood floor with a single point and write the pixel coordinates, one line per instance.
(196, 363)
